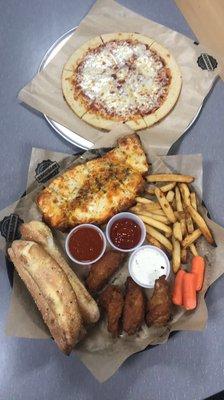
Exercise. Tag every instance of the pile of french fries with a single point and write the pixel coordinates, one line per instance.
(170, 213)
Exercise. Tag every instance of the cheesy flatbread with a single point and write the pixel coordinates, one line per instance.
(96, 190)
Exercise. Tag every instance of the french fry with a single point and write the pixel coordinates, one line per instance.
(154, 242)
(193, 200)
(157, 217)
(200, 222)
(183, 227)
(176, 213)
(149, 207)
(168, 234)
(169, 186)
(189, 222)
(183, 256)
(179, 204)
(143, 200)
(150, 191)
(169, 178)
(189, 239)
(160, 237)
(170, 196)
(158, 211)
(138, 209)
(176, 254)
(153, 206)
(179, 215)
(177, 231)
(193, 249)
(174, 204)
(166, 207)
(185, 193)
(156, 224)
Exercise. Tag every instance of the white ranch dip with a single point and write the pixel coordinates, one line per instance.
(147, 264)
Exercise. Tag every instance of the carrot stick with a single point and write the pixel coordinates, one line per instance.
(177, 297)
(198, 269)
(189, 291)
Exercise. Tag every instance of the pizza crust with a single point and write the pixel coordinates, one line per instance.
(136, 124)
(98, 121)
(76, 57)
(173, 89)
(108, 37)
(107, 124)
(76, 104)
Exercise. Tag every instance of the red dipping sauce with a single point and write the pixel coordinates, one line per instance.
(85, 244)
(125, 233)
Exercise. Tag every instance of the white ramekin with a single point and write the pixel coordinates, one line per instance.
(136, 219)
(161, 271)
(83, 226)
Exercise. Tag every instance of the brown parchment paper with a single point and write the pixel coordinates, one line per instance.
(44, 91)
(205, 18)
(101, 354)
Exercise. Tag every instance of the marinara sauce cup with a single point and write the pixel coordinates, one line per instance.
(85, 244)
(133, 232)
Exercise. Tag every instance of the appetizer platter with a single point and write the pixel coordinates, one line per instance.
(138, 236)
(112, 251)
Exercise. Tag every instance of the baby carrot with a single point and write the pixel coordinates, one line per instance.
(189, 291)
(177, 297)
(198, 269)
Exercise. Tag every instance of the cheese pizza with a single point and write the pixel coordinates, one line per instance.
(121, 77)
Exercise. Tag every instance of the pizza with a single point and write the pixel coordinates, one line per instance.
(121, 77)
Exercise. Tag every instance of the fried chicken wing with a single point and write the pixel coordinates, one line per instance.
(159, 306)
(134, 307)
(112, 301)
(101, 271)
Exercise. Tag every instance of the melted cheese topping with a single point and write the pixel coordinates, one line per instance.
(97, 189)
(123, 78)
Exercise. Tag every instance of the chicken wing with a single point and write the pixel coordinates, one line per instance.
(159, 306)
(112, 301)
(134, 307)
(103, 270)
